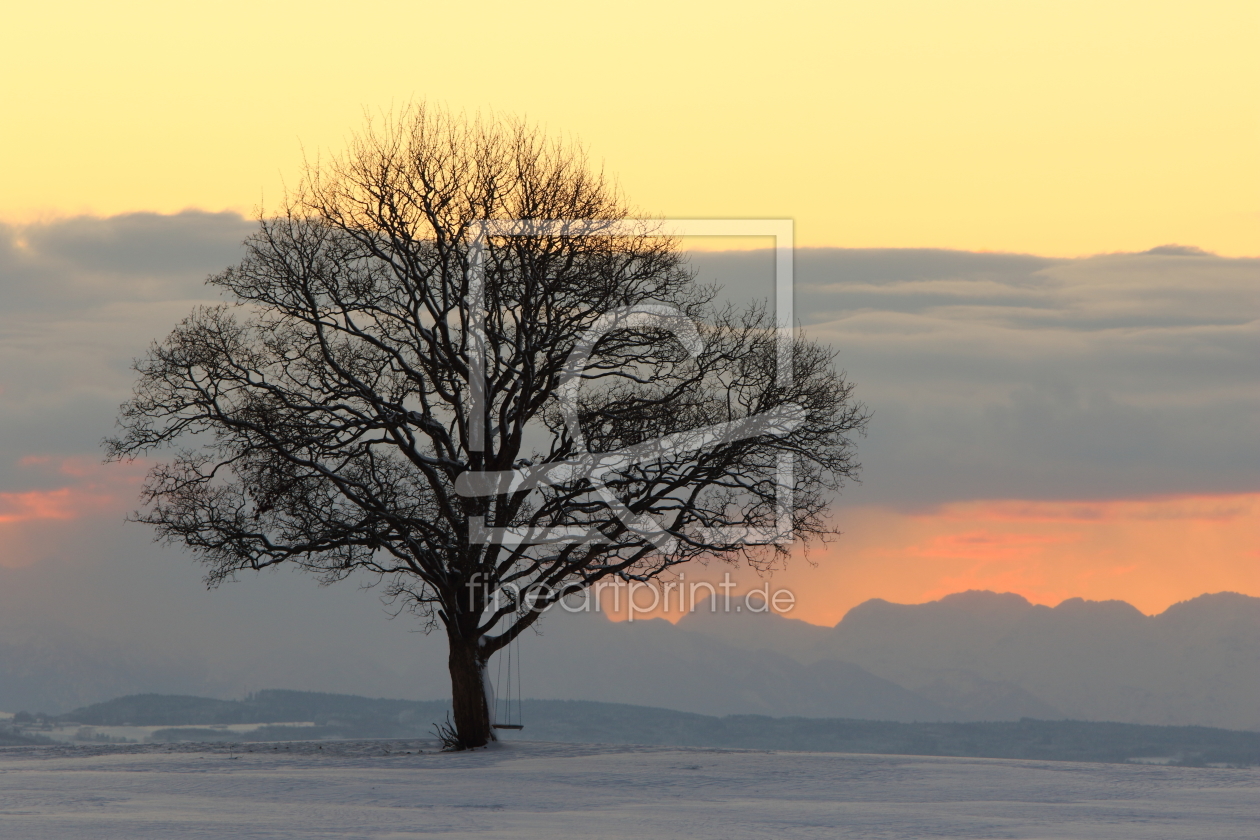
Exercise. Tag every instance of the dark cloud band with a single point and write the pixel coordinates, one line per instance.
(990, 375)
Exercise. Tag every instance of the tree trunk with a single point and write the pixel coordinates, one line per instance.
(468, 694)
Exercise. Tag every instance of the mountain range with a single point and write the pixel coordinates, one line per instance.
(996, 656)
(972, 656)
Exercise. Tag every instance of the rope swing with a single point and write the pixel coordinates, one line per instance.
(499, 685)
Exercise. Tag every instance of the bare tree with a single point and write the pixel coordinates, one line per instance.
(399, 390)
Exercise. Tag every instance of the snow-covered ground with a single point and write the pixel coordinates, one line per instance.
(389, 789)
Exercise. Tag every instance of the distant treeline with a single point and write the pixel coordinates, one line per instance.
(347, 716)
(11, 737)
(1048, 740)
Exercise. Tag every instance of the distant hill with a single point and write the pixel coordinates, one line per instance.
(344, 716)
(1060, 740)
(10, 738)
(654, 663)
(55, 668)
(995, 655)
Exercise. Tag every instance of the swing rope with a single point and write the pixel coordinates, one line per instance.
(507, 697)
(498, 684)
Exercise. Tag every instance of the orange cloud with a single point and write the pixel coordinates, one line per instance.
(983, 544)
(1202, 508)
(62, 503)
(78, 466)
(98, 489)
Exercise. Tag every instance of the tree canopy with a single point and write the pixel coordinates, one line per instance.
(456, 362)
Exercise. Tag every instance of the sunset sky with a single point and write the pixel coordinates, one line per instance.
(1058, 410)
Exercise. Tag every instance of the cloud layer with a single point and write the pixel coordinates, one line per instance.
(79, 299)
(1014, 397)
(990, 375)
(999, 376)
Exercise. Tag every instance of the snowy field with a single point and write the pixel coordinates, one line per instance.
(388, 789)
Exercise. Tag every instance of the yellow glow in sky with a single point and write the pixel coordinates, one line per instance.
(1060, 128)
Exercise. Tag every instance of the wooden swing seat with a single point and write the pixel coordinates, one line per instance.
(508, 725)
